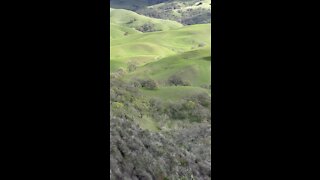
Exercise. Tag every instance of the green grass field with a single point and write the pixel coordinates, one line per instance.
(173, 93)
(159, 45)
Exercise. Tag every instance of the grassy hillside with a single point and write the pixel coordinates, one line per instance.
(178, 60)
(150, 47)
(141, 23)
(192, 67)
(117, 31)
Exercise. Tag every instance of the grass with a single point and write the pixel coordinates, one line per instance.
(117, 31)
(159, 45)
(133, 20)
(173, 93)
(147, 123)
(193, 67)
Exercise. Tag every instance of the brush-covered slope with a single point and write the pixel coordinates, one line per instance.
(184, 11)
(141, 23)
(139, 154)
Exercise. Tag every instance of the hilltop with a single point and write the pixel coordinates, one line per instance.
(183, 11)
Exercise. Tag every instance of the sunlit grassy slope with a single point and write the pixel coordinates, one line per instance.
(149, 47)
(174, 92)
(117, 31)
(184, 51)
(133, 20)
(192, 66)
(158, 55)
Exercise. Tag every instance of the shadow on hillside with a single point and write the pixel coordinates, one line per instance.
(134, 5)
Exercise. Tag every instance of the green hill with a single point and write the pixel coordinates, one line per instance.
(193, 67)
(176, 58)
(150, 47)
(141, 23)
(118, 31)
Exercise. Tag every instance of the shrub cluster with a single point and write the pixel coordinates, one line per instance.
(196, 108)
(175, 80)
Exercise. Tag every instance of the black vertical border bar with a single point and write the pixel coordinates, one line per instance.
(213, 85)
(103, 80)
(217, 73)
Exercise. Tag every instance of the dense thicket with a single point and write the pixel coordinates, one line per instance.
(188, 17)
(140, 154)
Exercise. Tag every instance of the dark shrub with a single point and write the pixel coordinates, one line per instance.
(175, 80)
(149, 84)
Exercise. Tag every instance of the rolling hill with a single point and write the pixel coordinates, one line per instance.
(182, 53)
(141, 23)
(117, 31)
(149, 47)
